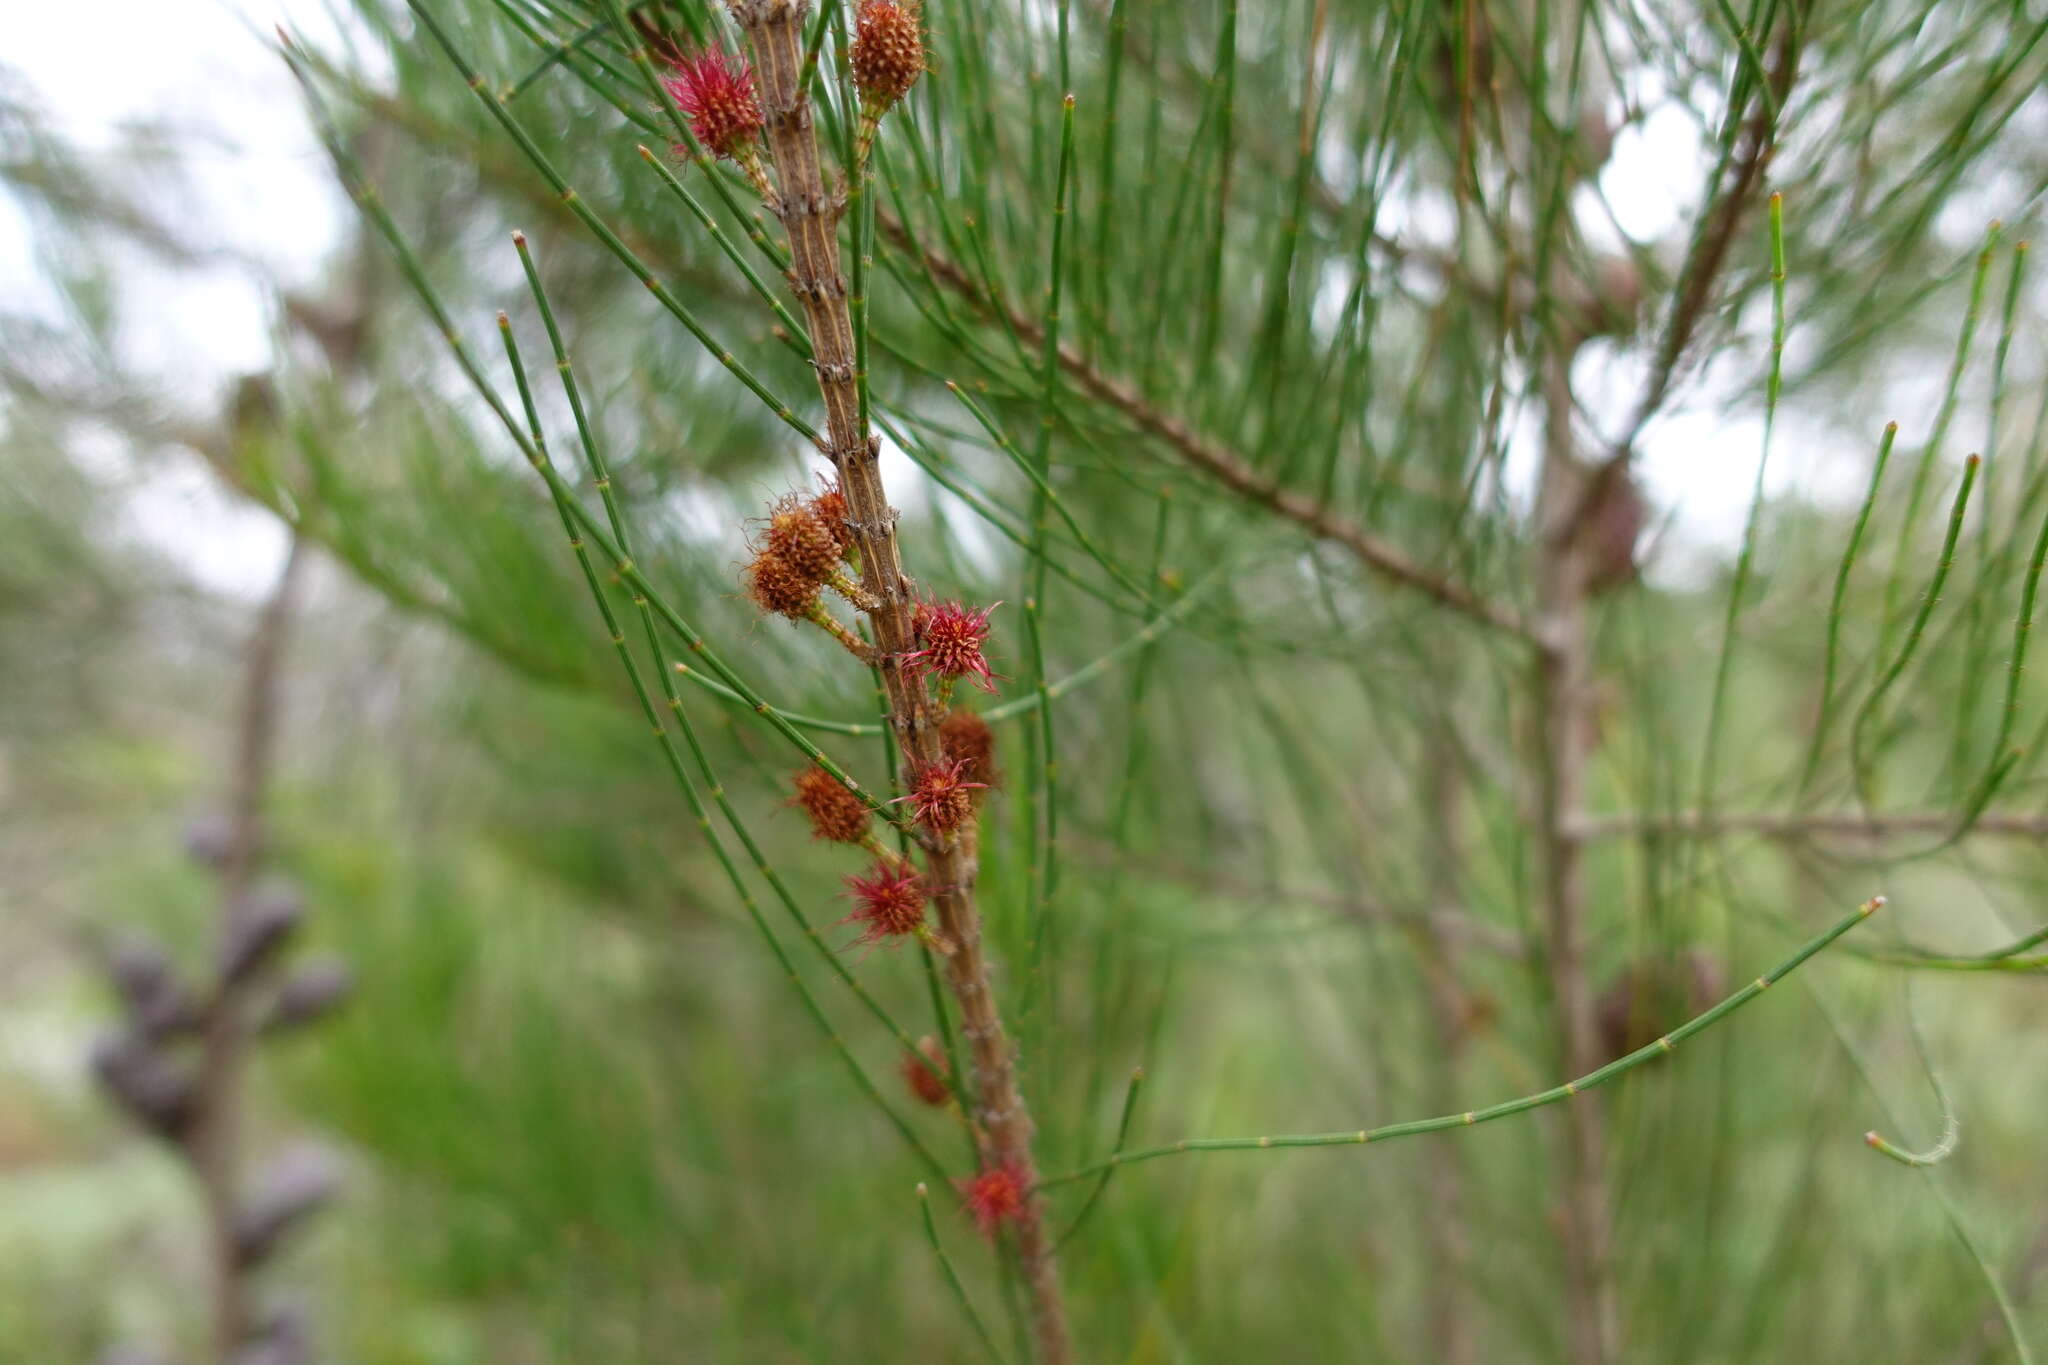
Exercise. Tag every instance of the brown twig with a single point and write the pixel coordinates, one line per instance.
(1220, 462)
(810, 214)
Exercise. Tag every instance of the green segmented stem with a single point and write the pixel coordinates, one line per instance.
(538, 455)
(1745, 563)
(371, 203)
(1598, 1077)
(1123, 1133)
(601, 230)
(1950, 395)
(1144, 635)
(600, 473)
(1833, 652)
(931, 1232)
(1915, 633)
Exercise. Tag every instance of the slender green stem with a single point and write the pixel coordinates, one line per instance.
(1835, 603)
(931, 1232)
(538, 454)
(1123, 1133)
(1598, 1077)
(600, 473)
(1928, 602)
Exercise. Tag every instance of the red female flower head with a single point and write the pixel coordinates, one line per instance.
(996, 1196)
(941, 795)
(836, 813)
(888, 903)
(888, 51)
(924, 1071)
(717, 91)
(950, 639)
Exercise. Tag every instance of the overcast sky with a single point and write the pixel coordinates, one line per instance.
(259, 184)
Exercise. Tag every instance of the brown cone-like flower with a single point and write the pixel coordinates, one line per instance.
(777, 587)
(888, 51)
(924, 1071)
(970, 743)
(836, 813)
(802, 539)
(829, 507)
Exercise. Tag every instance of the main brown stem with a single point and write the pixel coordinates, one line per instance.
(1566, 701)
(810, 214)
(215, 1145)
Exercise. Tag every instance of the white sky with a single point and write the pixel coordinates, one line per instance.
(259, 184)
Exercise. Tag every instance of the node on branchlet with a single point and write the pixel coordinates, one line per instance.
(925, 1072)
(941, 796)
(887, 58)
(779, 588)
(716, 91)
(996, 1196)
(836, 814)
(967, 740)
(949, 641)
(888, 903)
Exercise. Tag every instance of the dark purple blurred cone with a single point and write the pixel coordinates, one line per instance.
(152, 1087)
(159, 1005)
(258, 926)
(297, 1181)
(311, 992)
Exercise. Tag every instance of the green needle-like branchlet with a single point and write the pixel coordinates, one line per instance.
(1508, 1108)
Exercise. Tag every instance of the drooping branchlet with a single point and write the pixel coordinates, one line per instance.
(998, 1195)
(970, 743)
(941, 796)
(888, 903)
(836, 814)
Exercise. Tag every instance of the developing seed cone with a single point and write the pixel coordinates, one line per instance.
(888, 52)
(777, 587)
(836, 814)
(972, 745)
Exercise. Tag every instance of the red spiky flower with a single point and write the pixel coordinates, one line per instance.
(717, 91)
(950, 637)
(836, 813)
(941, 795)
(996, 1196)
(888, 903)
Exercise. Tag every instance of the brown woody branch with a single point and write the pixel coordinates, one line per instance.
(810, 214)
